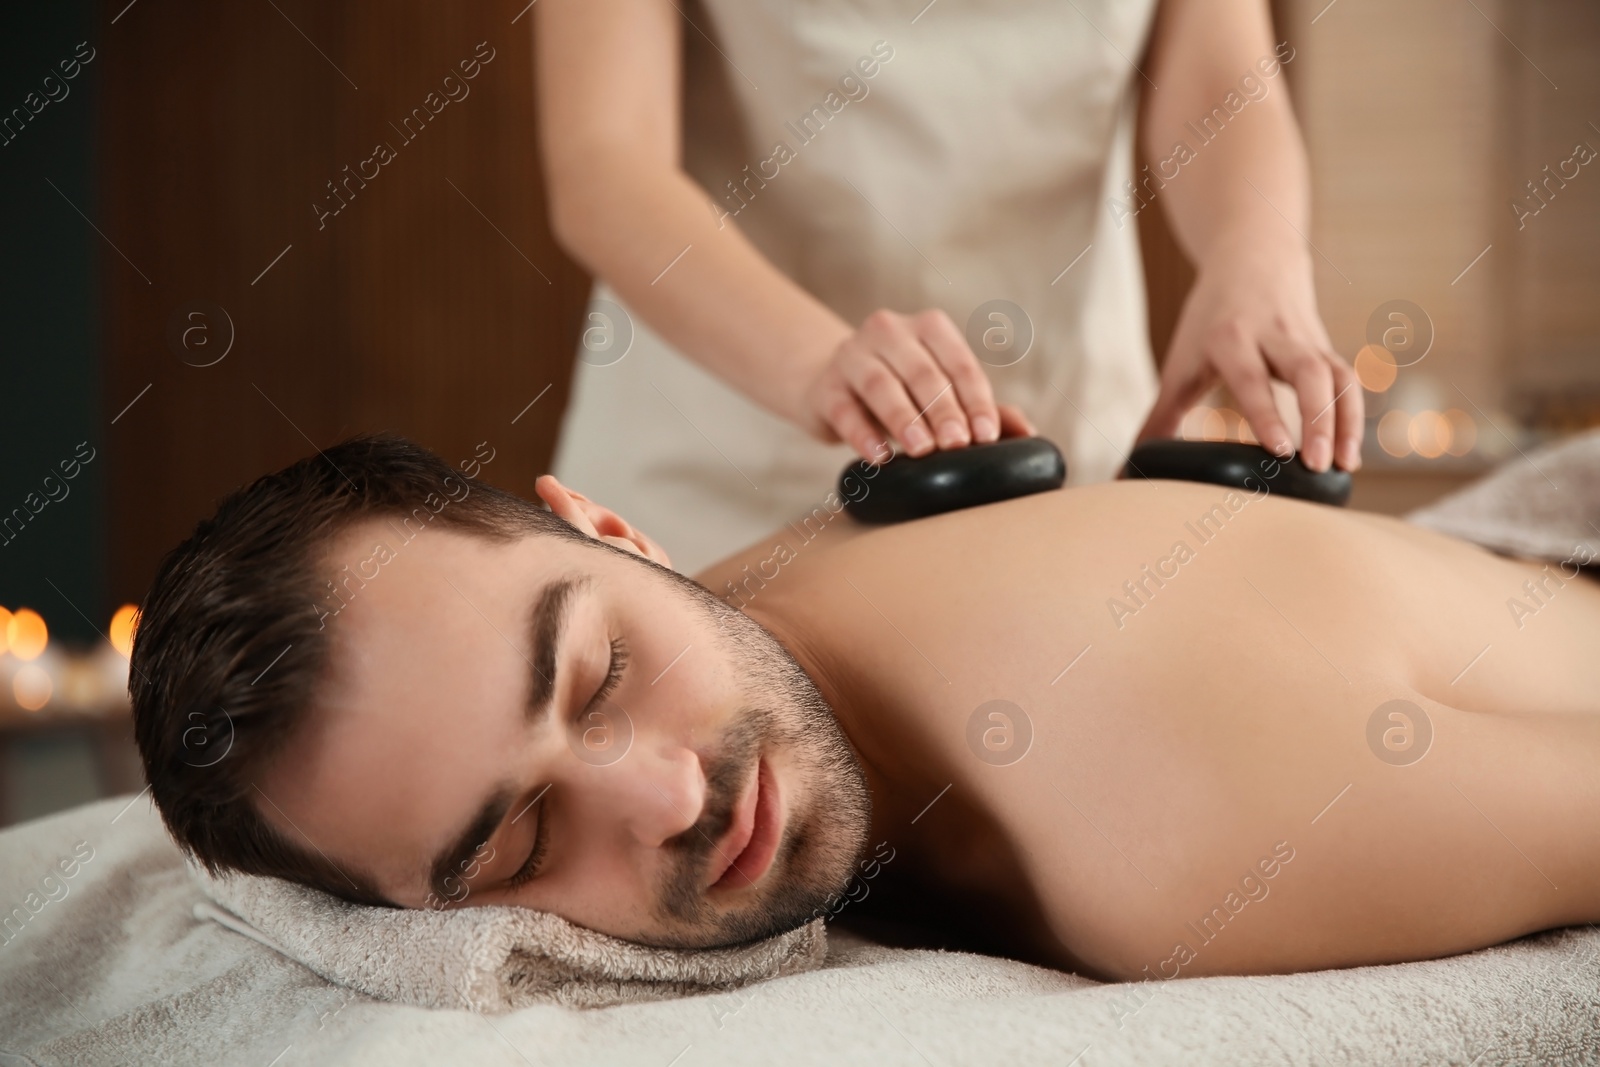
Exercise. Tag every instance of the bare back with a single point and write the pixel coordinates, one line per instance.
(1144, 697)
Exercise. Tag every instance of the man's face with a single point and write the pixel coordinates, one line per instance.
(708, 798)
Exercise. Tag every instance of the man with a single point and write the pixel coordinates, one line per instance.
(1133, 730)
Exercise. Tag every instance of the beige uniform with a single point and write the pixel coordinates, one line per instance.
(883, 157)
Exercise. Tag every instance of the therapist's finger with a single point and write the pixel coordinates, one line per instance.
(1350, 411)
(1304, 368)
(939, 333)
(881, 390)
(929, 388)
(1240, 364)
(932, 394)
(845, 415)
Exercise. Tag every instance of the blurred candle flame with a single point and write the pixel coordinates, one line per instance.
(122, 626)
(26, 634)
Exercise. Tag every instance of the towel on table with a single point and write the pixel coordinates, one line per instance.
(113, 969)
(1544, 504)
(489, 959)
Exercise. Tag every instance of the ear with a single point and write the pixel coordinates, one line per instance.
(598, 521)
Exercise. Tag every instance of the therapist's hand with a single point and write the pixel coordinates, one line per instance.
(914, 377)
(1252, 316)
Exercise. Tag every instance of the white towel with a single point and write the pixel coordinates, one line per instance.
(1544, 504)
(489, 959)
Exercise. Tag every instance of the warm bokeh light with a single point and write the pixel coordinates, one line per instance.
(1375, 368)
(122, 624)
(1394, 433)
(31, 686)
(1206, 423)
(1463, 432)
(5, 622)
(1429, 434)
(26, 634)
(1191, 428)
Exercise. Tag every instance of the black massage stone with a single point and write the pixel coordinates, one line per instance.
(908, 487)
(1241, 466)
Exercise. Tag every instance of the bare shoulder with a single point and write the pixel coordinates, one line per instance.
(820, 531)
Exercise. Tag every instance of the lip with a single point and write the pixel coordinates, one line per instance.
(752, 841)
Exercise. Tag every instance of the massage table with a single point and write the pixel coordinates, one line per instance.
(118, 970)
(116, 962)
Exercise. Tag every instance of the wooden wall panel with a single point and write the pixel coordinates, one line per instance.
(1551, 105)
(410, 309)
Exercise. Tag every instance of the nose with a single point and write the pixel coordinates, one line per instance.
(660, 792)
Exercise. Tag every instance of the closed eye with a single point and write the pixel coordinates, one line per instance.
(530, 866)
(619, 661)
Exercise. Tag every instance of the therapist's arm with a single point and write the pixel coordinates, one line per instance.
(1239, 205)
(621, 204)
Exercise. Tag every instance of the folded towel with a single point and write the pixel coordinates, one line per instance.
(1544, 504)
(489, 959)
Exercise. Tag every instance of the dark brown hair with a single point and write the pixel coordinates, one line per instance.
(232, 636)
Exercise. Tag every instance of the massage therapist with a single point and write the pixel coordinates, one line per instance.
(814, 224)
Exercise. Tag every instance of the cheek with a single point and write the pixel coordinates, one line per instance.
(696, 697)
(600, 890)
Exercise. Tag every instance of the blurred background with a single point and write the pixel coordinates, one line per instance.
(182, 316)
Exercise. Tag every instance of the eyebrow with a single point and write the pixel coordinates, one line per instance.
(546, 626)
